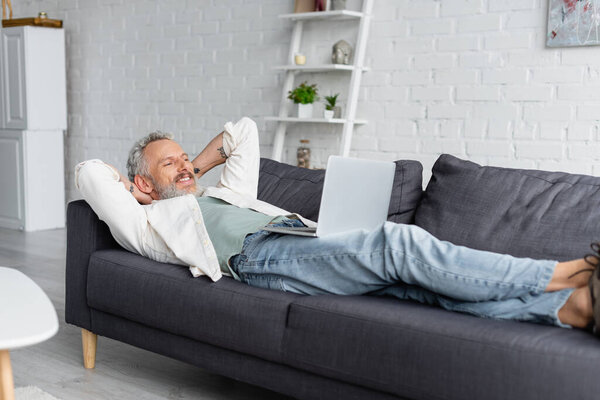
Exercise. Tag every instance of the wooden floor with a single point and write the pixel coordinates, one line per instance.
(122, 371)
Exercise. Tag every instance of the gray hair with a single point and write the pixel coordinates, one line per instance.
(136, 162)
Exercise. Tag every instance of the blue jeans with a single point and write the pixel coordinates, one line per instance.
(407, 262)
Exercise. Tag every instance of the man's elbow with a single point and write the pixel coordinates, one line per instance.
(241, 137)
(248, 122)
(248, 127)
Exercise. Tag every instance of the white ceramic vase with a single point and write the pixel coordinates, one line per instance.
(328, 114)
(305, 110)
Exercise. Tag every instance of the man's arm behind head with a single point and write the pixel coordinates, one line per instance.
(111, 200)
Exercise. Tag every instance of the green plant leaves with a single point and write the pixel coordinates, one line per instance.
(304, 93)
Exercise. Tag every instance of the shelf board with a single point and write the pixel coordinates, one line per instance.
(318, 68)
(330, 15)
(315, 120)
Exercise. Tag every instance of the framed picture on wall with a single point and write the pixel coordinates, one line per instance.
(573, 23)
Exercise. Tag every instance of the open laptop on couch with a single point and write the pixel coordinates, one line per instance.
(356, 195)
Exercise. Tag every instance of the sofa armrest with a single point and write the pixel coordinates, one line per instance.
(85, 235)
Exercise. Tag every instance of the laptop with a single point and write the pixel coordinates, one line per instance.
(356, 195)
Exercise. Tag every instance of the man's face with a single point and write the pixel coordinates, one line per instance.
(170, 168)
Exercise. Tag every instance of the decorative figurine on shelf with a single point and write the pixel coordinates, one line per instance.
(6, 3)
(342, 53)
(330, 107)
(303, 154)
(304, 95)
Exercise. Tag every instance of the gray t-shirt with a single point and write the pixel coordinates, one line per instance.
(227, 226)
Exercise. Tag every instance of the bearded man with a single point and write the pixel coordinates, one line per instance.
(160, 212)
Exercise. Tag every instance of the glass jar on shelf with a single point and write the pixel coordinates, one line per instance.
(303, 154)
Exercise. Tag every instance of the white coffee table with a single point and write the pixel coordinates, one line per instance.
(26, 317)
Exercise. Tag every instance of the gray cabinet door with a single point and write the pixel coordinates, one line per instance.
(11, 180)
(13, 99)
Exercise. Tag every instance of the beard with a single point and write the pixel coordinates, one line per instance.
(171, 190)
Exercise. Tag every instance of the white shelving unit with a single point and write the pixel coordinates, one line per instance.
(317, 68)
(319, 120)
(356, 70)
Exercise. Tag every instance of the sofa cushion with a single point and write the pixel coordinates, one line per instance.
(421, 352)
(299, 190)
(226, 313)
(525, 213)
(292, 188)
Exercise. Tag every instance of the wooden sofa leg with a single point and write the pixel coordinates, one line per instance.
(89, 341)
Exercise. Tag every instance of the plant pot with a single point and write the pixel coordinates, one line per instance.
(338, 5)
(328, 114)
(337, 112)
(305, 110)
(300, 59)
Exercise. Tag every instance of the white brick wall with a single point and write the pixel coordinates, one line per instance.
(467, 77)
(492, 91)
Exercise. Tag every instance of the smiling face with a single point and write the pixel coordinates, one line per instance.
(171, 171)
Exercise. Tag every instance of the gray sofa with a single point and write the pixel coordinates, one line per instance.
(359, 347)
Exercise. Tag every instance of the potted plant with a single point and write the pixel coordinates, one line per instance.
(304, 95)
(330, 106)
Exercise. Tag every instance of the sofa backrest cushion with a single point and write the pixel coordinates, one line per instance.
(299, 190)
(525, 213)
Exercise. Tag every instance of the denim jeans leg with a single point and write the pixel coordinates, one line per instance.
(360, 262)
(540, 309)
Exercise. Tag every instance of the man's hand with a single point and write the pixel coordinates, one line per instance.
(141, 197)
